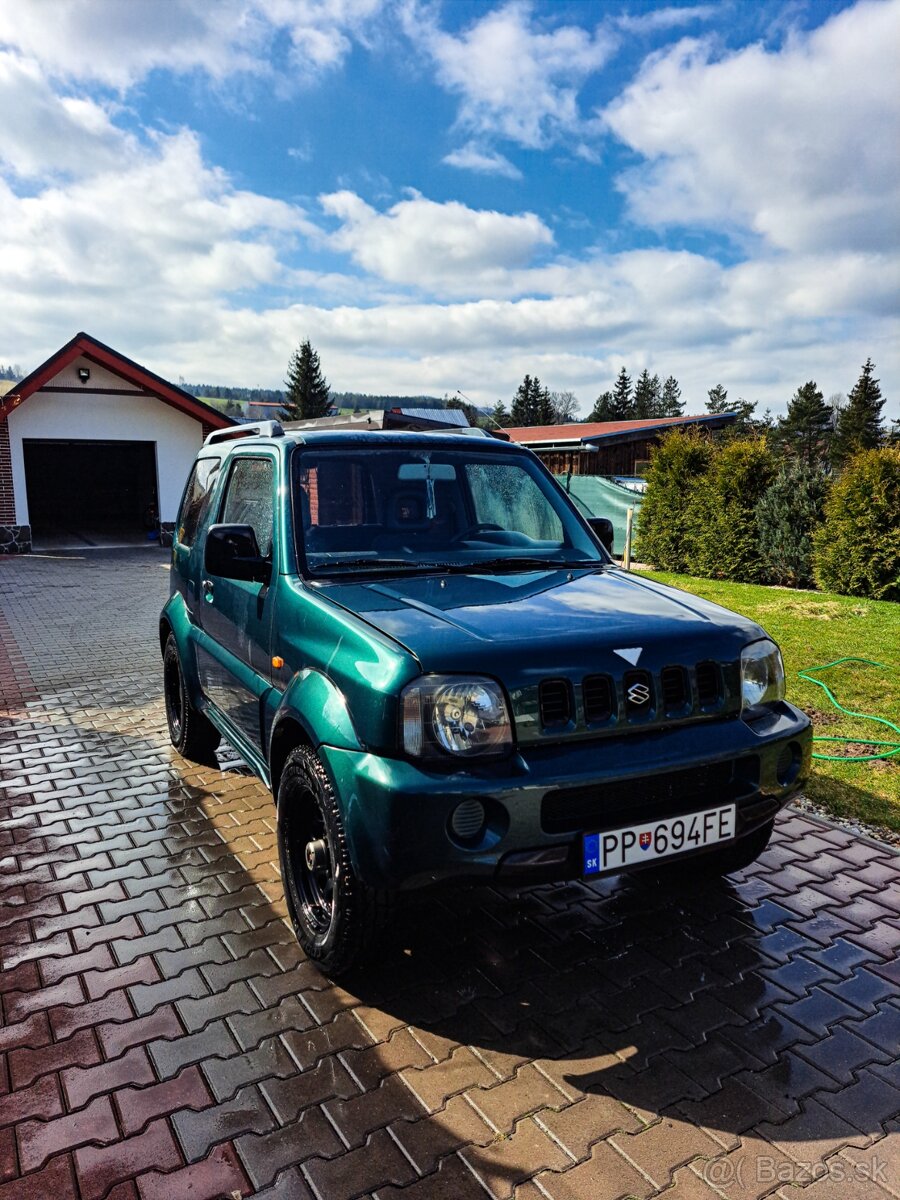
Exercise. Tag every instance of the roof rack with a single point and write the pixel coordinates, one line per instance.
(257, 429)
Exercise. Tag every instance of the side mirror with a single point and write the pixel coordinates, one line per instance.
(603, 531)
(232, 552)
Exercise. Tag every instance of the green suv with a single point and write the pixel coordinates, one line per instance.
(427, 653)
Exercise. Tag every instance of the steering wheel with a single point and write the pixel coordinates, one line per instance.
(478, 527)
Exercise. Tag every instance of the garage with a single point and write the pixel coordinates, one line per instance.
(90, 493)
(95, 451)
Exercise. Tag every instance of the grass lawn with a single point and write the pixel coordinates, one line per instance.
(814, 628)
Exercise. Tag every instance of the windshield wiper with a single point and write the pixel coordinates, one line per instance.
(524, 564)
(373, 564)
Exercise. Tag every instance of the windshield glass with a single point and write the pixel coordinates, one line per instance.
(417, 508)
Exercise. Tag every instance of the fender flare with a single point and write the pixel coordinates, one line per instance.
(313, 710)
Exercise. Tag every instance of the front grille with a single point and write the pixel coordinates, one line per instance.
(555, 701)
(638, 689)
(675, 691)
(709, 684)
(654, 797)
(598, 695)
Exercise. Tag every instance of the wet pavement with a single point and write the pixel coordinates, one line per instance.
(163, 1037)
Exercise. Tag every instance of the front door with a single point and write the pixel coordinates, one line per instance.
(233, 651)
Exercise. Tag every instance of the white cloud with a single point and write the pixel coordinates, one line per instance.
(471, 157)
(655, 20)
(53, 133)
(433, 246)
(117, 43)
(797, 146)
(516, 79)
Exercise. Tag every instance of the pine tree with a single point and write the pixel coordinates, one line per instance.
(623, 400)
(646, 396)
(804, 433)
(308, 394)
(531, 404)
(718, 400)
(670, 403)
(719, 403)
(603, 408)
(859, 422)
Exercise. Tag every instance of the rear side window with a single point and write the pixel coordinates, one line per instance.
(196, 498)
(249, 500)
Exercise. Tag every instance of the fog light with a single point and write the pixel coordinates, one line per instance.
(789, 762)
(467, 820)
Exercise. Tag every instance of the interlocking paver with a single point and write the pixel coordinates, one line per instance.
(161, 1034)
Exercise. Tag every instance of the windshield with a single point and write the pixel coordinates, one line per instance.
(416, 508)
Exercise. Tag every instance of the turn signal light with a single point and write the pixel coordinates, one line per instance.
(277, 661)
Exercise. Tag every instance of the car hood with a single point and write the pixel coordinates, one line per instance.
(513, 625)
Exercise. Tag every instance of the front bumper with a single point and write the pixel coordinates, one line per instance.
(398, 815)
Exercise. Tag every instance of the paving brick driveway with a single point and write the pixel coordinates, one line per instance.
(163, 1037)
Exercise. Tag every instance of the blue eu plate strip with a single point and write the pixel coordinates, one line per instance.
(592, 854)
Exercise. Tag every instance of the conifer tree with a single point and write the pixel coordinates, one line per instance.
(859, 421)
(788, 515)
(307, 393)
(531, 404)
(670, 403)
(804, 433)
(623, 400)
(499, 416)
(646, 396)
(603, 408)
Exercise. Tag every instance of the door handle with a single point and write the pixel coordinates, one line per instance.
(206, 586)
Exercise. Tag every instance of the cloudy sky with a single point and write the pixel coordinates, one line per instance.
(445, 196)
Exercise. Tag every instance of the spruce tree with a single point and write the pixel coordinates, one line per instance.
(603, 408)
(623, 400)
(531, 404)
(859, 421)
(646, 396)
(499, 416)
(670, 402)
(719, 403)
(307, 393)
(804, 433)
(718, 400)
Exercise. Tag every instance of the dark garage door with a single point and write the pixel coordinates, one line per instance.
(90, 493)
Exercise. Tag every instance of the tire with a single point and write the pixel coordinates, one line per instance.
(192, 733)
(336, 917)
(733, 857)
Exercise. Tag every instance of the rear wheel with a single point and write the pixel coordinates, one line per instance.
(336, 917)
(191, 733)
(734, 856)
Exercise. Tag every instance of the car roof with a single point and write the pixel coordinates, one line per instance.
(477, 442)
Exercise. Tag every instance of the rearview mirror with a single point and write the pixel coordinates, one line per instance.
(603, 531)
(232, 552)
(439, 472)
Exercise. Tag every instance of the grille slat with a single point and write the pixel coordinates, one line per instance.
(709, 684)
(608, 805)
(555, 701)
(675, 692)
(598, 694)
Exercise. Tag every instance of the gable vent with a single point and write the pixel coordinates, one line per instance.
(555, 701)
(598, 695)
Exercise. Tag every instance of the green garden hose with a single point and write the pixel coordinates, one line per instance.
(807, 674)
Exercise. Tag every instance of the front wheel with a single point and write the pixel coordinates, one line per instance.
(336, 917)
(191, 733)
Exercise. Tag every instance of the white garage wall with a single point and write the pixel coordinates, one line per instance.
(93, 417)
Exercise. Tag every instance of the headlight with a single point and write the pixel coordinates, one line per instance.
(762, 674)
(458, 716)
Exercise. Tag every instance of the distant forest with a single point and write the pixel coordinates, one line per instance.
(215, 391)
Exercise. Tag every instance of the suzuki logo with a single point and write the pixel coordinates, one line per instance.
(638, 693)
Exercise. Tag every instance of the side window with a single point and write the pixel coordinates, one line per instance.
(196, 498)
(249, 501)
(504, 495)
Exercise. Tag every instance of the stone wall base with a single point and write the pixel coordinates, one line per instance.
(15, 539)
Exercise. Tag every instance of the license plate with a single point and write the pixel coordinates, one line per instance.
(616, 849)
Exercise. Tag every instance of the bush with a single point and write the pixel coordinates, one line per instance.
(722, 512)
(857, 550)
(665, 536)
(788, 514)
